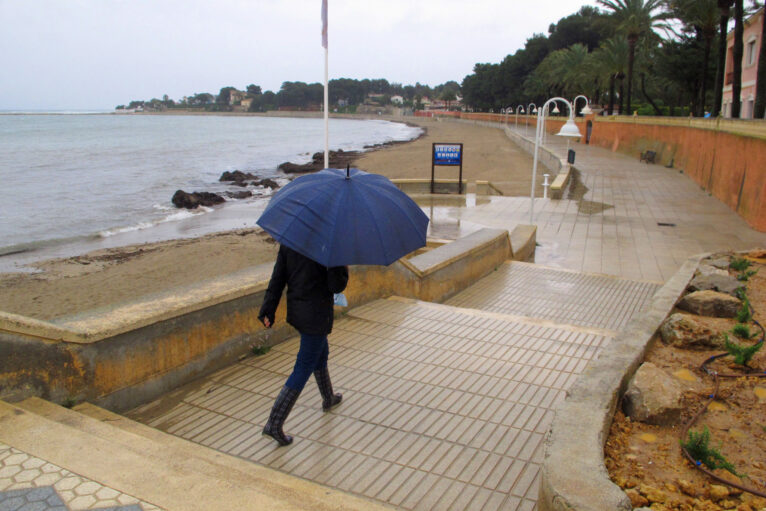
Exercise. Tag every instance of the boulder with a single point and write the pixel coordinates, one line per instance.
(724, 283)
(706, 269)
(682, 331)
(244, 194)
(710, 303)
(267, 183)
(653, 396)
(294, 168)
(237, 176)
(721, 263)
(338, 160)
(182, 199)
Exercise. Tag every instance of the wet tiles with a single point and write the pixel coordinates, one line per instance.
(442, 405)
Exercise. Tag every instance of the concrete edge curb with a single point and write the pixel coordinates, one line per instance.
(573, 475)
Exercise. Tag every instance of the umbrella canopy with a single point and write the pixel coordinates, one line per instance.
(339, 218)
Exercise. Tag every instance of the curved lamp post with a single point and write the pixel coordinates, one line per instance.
(586, 109)
(569, 129)
(519, 110)
(531, 109)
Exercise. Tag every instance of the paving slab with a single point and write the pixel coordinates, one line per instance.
(442, 404)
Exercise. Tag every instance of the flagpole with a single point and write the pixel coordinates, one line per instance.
(326, 95)
(326, 115)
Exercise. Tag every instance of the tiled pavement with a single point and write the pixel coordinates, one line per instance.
(563, 296)
(612, 223)
(444, 408)
(28, 483)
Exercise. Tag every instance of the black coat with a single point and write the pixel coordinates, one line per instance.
(310, 288)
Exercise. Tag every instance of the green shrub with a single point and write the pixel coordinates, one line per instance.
(739, 264)
(741, 331)
(744, 314)
(697, 445)
(742, 354)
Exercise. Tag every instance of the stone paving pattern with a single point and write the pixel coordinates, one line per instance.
(444, 407)
(28, 483)
(570, 297)
(611, 223)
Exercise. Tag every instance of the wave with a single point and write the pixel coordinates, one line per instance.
(173, 217)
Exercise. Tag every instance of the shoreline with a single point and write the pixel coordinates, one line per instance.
(54, 283)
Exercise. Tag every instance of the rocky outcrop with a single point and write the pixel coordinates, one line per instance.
(713, 281)
(182, 199)
(653, 396)
(682, 331)
(244, 194)
(237, 177)
(267, 183)
(710, 303)
(338, 160)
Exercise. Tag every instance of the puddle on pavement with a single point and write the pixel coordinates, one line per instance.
(576, 192)
(444, 214)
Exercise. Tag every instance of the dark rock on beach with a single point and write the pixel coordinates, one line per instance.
(244, 194)
(267, 183)
(182, 199)
(237, 176)
(338, 160)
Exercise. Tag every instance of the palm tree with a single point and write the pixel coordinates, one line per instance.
(610, 59)
(724, 9)
(702, 16)
(636, 18)
(739, 33)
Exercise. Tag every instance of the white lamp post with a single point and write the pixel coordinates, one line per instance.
(586, 109)
(531, 109)
(569, 129)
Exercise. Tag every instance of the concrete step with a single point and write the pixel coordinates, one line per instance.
(158, 468)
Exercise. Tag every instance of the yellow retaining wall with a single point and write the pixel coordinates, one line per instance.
(127, 355)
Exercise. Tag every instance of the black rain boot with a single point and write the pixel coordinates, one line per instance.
(279, 412)
(329, 399)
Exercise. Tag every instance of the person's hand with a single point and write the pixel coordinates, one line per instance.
(266, 322)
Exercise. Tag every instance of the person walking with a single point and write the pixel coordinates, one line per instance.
(310, 289)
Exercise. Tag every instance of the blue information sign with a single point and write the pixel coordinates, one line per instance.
(448, 154)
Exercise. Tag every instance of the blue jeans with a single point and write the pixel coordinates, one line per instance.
(312, 356)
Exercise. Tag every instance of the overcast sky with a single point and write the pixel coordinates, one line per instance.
(96, 54)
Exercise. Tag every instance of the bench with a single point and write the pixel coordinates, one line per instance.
(648, 156)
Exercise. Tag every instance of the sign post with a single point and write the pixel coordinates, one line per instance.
(448, 155)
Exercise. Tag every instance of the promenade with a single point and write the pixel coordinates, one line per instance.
(445, 405)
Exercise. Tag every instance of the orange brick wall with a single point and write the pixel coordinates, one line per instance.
(731, 167)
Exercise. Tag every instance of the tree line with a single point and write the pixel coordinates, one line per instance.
(655, 57)
(344, 94)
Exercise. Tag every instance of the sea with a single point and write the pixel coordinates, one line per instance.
(74, 182)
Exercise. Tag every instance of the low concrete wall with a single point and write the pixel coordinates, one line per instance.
(573, 475)
(126, 355)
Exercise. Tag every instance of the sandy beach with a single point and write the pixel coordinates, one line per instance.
(67, 286)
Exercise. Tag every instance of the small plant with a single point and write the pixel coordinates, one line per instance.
(744, 314)
(745, 275)
(741, 354)
(739, 264)
(741, 293)
(697, 445)
(69, 402)
(260, 350)
(741, 331)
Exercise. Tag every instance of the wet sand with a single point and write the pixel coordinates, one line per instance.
(67, 286)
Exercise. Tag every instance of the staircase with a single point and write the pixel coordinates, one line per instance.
(445, 407)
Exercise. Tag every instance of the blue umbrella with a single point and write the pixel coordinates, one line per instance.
(338, 218)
